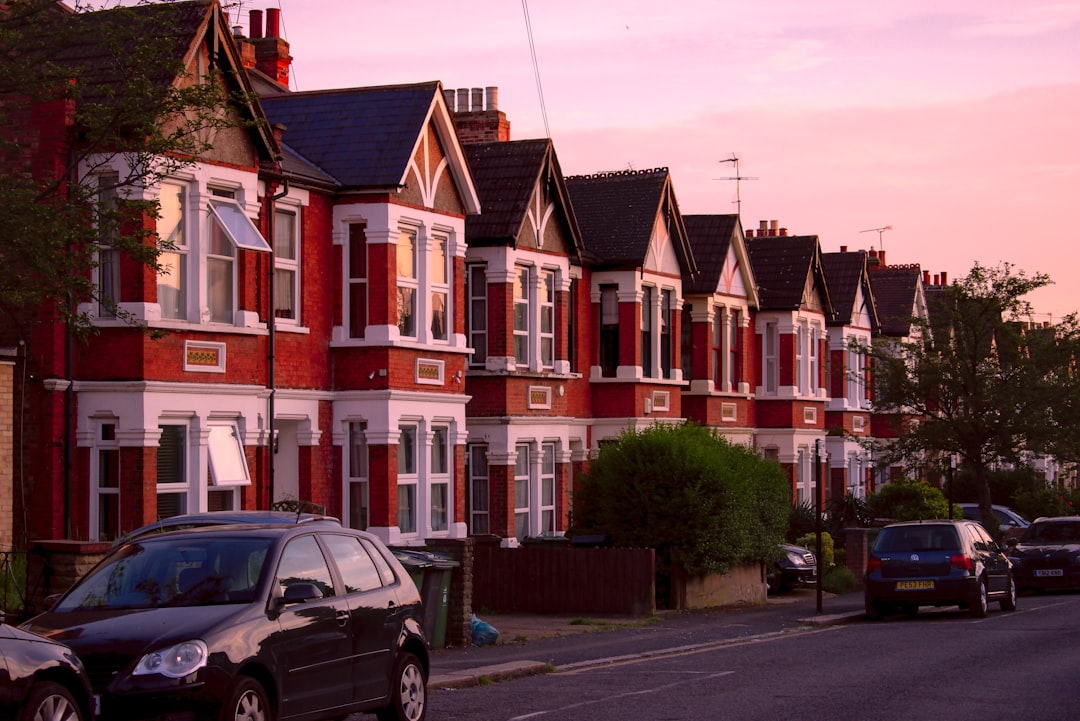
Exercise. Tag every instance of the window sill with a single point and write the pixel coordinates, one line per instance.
(291, 328)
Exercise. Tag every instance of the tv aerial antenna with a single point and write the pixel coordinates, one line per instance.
(880, 231)
(738, 178)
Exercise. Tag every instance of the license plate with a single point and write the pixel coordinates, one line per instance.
(927, 585)
(1045, 572)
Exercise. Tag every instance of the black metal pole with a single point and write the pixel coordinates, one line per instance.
(817, 520)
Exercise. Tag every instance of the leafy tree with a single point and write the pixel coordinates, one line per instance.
(980, 381)
(908, 500)
(688, 493)
(97, 86)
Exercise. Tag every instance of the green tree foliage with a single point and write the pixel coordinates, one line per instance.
(908, 500)
(980, 380)
(687, 493)
(111, 73)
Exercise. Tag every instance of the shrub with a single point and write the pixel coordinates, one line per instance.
(801, 520)
(687, 493)
(908, 500)
(838, 580)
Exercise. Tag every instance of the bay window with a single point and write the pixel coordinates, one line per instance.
(667, 332)
(771, 358)
(357, 281)
(407, 284)
(407, 479)
(479, 502)
(173, 259)
(522, 316)
(440, 288)
(439, 478)
(105, 496)
(357, 486)
(173, 487)
(609, 331)
(522, 492)
(647, 331)
(476, 290)
(547, 319)
(547, 490)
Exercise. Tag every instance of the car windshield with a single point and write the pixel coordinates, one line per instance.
(917, 538)
(1053, 532)
(182, 571)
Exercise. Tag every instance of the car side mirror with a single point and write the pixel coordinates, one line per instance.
(299, 593)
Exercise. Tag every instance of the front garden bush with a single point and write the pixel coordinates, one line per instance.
(908, 500)
(687, 493)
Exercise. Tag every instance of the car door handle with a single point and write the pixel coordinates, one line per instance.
(342, 617)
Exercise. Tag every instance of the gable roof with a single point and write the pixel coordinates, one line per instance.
(98, 50)
(617, 212)
(895, 288)
(846, 274)
(507, 175)
(365, 138)
(782, 265)
(711, 237)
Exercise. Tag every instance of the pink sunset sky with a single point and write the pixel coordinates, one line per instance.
(957, 123)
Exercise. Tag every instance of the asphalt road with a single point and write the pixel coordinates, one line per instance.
(941, 664)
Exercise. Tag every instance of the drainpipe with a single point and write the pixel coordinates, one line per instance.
(270, 382)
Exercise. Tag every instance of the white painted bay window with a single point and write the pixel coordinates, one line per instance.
(476, 288)
(407, 284)
(522, 315)
(173, 485)
(439, 277)
(522, 491)
(547, 319)
(479, 501)
(771, 358)
(286, 266)
(547, 490)
(105, 475)
(358, 510)
(173, 260)
(439, 479)
(356, 281)
(407, 480)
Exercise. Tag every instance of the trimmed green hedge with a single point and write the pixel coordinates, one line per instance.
(687, 493)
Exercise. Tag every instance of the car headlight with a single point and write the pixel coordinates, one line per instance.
(175, 661)
(796, 559)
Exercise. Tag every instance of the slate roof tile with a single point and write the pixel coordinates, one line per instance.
(894, 292)
(363, 137)
(710, 239)
(781, 266)
(617, 211)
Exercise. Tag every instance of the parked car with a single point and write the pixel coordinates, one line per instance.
(252, 621)
(221, 518)
(41, 679)
(1047, 555)
(937, 563)
(1011, 523)
(795, 567)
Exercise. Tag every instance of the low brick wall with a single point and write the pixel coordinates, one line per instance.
(54, 566)
(741, 585)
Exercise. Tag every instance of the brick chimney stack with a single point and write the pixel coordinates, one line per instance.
(476, 114)
(271, 50)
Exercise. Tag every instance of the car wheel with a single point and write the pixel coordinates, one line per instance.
(247, 702)
(1008, 603)
(979, 603)
(50, 701)
(408, 695)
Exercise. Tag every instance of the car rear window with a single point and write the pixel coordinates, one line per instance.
(917, 538)
(1055, 532)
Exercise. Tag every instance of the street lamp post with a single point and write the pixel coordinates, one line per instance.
(817, 518)
(952, 476)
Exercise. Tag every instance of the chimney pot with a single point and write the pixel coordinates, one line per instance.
(843, 248)
(237, 31)
(926, 277)
(463, 100)
(881, 257)
(273, 23)
(749, 233)
(763, 226)
(477, 101)
(256, 21)
(773, 225)
(492, 97)
(450, 97)
(944, 278)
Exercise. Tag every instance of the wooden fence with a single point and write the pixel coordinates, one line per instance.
(564, 580)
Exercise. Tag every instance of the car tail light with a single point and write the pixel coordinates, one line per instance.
(873, 564)
(961, 562)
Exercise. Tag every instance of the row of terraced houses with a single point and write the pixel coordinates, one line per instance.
(388, 307)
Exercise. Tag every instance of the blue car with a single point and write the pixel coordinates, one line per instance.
(937, 563)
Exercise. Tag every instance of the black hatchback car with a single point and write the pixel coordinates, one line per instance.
(937, 563)
(254, 622)
(41, 679)
(1047, 555)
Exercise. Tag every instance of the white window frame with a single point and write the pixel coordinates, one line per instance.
(440, 475)
(523, 485)
(547, 489)
(105, 443)
(479, 489)
(647, 338)
(356, 245)
(439, 275)
(801, 363)
(107, 270)
(771, 358)
(184, 486)
(522, 315)
(665, 334)
(478, 314)
(408, 284)
(813, 353)
(285, 266)
(548, 315)
(356, 477)
(408, 478)
(176, 260)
